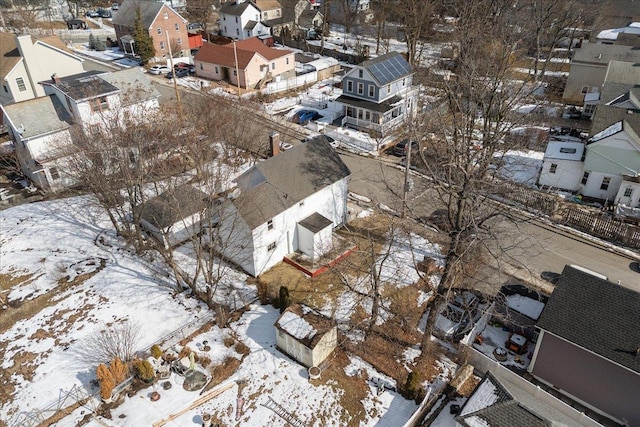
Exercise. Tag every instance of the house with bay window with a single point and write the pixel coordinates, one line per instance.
(378, 95)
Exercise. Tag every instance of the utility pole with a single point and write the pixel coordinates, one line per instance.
(235, 56)
(173, 71)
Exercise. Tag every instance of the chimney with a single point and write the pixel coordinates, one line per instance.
(55, 79)
(274, 144)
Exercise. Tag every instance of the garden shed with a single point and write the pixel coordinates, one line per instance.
(306, 335)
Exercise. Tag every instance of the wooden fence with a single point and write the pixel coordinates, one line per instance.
(607, 228)
(532, 200)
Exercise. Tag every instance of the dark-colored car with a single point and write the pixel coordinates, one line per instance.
(184, 66)
(400, 149)
(179, 72)
(104, 13)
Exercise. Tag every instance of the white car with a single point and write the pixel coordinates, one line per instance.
(158, 69)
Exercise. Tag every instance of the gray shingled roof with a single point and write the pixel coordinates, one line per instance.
(606, 115)
(170, 207)
(501, 403)
(596, 53)
(276, 184)
(135, 86)
(39, 116)
(89, 84)
(611, 91)
(236, 9)
(127, 12)
(381, 107)
(623, 72)
(597, 315)
(315, 222)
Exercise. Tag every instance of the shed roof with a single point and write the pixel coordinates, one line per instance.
(562, 150)
(174, 205)
(135, 86)
(595, 314)
(315, 222)
(39, 116)
(274, 185)
(87, 85)
(304, 324)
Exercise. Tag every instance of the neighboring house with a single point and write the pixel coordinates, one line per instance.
(613, 35)
(562, 165)
(589, 68)
(605, 115)
(40, 128)
(306, 335)
(175, 216)
(501, 403)
(27, 61)
(620, 79)
(324, 66)
(588, 345)
(628, 198)
(287, 203)
(242, 19)
(377, 95)
(270, 10)
(249, 63)
(161, 22)
(300, 18)
(610, 154)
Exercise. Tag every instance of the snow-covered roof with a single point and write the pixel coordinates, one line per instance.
(564, 150)
(304, 324)
(612, 33)
(323, 63)
(524, 305)
(611, 130)
(592, 96)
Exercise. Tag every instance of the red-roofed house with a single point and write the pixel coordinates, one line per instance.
(256, 63)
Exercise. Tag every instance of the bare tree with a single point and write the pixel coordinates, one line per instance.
(417, 17)
(383, 10)
(116, 340)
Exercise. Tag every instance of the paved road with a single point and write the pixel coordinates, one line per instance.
(530, 244)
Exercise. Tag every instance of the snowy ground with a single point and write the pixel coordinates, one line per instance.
(522, 167)
(49, 244)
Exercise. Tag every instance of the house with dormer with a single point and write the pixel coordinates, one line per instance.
(288, 203)
(27, 61)
(93, 100)
(166, 27)
(621, 88)
(378, 95)
(243, 19)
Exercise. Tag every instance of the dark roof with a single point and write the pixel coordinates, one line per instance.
(381, 107)
(134, 85)
(171, 206)
(388, 68)
(319, 323)
(315, 222)
(274, 185)
(127, 12)
(500, 403)
(236, 9)
(597, 315)
(606, 115)
(251, 25)
(85, 85)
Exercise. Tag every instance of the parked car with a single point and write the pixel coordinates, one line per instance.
(184, 66)
(332, 142)
(304, 116)
(158, 69)
(104, 13)
(115, 6)
(195, 26)
(400, 149)
(284, 146)
(92, 14)
(180, 72)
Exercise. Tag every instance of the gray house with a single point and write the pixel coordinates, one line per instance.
(589, 345)
(377, 95)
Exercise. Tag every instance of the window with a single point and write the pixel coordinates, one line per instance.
(273, 65)
(99, 104)
(403, 81)
(237, 32)
(589, 108)
(225, 28)
(567, 150)
(179, 41)
(388, 89)
(585, 178)
(553, 168)
(287, 60)
(605, 183)
(372, 91)
(271, 247)
(166, 15)
(159, 31)
(360, 73)
(264, 16)
(5, 88)
(161, 45)
(215, 69)
(236, 19)
(349, 86)
(201, 66)
(301, 204)
(177, 27)
(235, 73)
(280, 333)
(21, 86)
(270, 224)
(360, 88)
(584, 89)
(359, 114)
(224, 18)
(628, 192)
(278, 13)
(55, 174)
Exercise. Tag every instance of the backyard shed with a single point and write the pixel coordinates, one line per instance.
(314, 235)
(306, 335)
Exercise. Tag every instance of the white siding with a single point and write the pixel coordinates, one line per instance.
(566, 177)
(592, 187)
(633, 200)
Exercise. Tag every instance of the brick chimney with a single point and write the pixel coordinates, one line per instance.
(55, 79)
(274, 144)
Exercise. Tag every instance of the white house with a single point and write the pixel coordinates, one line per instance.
(610, 154)
(287, 203)
(26, 61)
(306, 335)
(40, 128)
(628, 198)
(562, 165)
(242, 19)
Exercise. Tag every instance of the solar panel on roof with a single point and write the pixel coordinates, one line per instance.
(389, 70)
